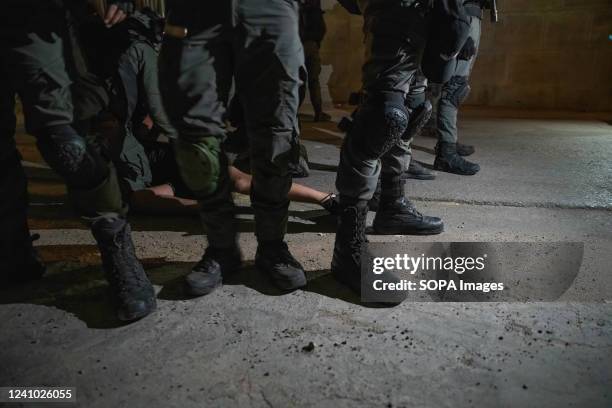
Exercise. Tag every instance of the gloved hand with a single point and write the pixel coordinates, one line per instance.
(468, 50)
(117, 11)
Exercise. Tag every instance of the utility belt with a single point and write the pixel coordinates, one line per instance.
(352, 6)
(475, 8)
(416, 4)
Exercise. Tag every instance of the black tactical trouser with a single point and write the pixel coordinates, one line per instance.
(36, 65)
(447, 98)
(395, 34)
(32, 66)
(135, 79)
(312, 60)
(256, 44)
(14, 230)
(397, 160)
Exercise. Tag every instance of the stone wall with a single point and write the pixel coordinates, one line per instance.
(546, 54)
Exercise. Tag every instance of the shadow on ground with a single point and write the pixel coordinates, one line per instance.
(45, 217)
(79, 287)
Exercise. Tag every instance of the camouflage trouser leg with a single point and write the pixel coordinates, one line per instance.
(454, 92)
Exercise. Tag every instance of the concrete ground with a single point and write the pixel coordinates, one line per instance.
(249, 345)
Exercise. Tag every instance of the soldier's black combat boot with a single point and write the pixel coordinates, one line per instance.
(448, 160)
(418, 172)
(397, 216)
(321, 117)
(23, 263)
(465, 150)
(274, 259)
(33, 266)
(350, 242)
(208, 273)
(133, 294)
(350, 249)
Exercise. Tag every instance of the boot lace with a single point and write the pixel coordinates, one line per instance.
(125, 269)
(208, 261)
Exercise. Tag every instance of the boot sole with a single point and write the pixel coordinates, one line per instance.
(446, 169)
(149, 307)
(403, 231)
(418, 177)
(285, 285)
(202, 291)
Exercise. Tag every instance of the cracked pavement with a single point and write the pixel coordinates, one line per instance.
(246, 345)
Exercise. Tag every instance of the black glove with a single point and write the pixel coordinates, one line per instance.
(468, 50)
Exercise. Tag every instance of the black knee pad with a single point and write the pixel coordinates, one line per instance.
(419, 117)
(457, 91)
(67, 153)
(380, 124)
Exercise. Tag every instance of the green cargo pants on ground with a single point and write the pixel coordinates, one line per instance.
(256, 44)
(395, 35)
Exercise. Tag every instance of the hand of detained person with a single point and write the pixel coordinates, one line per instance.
(117, 11)
(468, 50)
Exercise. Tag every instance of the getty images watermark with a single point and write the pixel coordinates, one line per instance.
(412, 264)
(469, 271)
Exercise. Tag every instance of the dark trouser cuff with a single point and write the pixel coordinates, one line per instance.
(392, 187)
(271, 225)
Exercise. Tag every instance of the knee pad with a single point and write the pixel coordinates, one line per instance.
(380, 124)
(199, 164)
(81, 166)
(418, 119)
(458, 90)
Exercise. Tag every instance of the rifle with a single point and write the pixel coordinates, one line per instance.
(493, 6)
